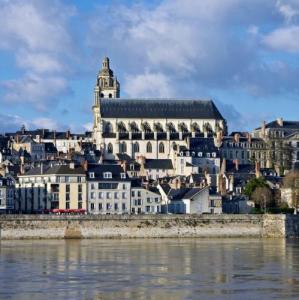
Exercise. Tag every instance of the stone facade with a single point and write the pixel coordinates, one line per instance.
(147, 226)
(151, 127)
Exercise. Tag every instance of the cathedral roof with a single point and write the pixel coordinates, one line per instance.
(159, 108)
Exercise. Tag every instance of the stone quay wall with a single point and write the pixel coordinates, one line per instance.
(146, 226)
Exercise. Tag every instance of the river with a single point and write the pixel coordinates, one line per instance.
(150, 269)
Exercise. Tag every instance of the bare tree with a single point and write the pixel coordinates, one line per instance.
(291, 181)
(262, 197)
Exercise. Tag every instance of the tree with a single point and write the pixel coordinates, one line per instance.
(262, 197)
(291, 181)
(253, 184)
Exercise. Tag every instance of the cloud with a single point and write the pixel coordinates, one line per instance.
(284, 39)
(38, 35)
(148, 85)
(35, 89)
(195, 46)
(287, 10)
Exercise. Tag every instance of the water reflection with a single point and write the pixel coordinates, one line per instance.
(149, 269)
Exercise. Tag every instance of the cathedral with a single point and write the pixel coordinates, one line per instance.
(153, 128)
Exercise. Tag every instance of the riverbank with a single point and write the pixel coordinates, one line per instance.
(147, 226)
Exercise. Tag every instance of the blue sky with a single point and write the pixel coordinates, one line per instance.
(244, 54)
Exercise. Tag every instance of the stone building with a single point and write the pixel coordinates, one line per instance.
(60, 187)
(7, 194)
(150, 127)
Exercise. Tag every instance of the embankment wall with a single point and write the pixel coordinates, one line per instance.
(147, 226)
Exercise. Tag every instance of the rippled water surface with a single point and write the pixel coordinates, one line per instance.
(150, 269)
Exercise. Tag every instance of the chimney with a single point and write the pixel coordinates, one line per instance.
(248, 136)
(68, 134)
(41, 168)
(263, 129)
(54, 137)
(22, 165)
(85, 165)
(124, 166)
(237, 137)
(280, 122)
(223, 166)
(236, 163)
(257, 169)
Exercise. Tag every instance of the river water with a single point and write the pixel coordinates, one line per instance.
(150, 269)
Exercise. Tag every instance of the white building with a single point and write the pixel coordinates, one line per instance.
(150, 127)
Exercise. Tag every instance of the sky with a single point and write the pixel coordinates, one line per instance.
(243, 54)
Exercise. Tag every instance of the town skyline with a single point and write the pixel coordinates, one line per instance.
(243, 60)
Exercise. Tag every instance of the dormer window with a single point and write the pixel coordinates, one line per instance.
(122, 175)
(91, 174)
(107, 175)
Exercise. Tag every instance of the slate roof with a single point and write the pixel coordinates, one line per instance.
(158, 164)
(159, 108)
(183, 193)
(100, 169)
(57, 170)
(286, 125)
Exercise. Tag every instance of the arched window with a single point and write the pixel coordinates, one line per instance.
(136, 147)
(123, 147)
(174, 146)
(110, 95)
(149, 148)
(110, 148)
(108, 128)
(161, 148)
(102, 95)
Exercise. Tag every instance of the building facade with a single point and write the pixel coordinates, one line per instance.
(151, 127)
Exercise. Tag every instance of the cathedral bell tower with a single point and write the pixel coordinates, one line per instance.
(106, 86)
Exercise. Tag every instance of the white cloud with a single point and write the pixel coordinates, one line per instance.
(288, 11)
(35, 89)
(45, 123)
(148, 85)
(36, 32)
(284, 39)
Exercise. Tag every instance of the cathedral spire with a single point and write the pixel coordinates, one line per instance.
(107, 85)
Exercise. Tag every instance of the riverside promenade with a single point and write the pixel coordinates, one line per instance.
(147, 226)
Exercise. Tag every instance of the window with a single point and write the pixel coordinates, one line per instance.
(91, 206)
(149, 147)
(115, 206)
(67, 188)
(67, 205)
(80, 197)
(133, 193)
(139, 193)
(91, 174)
(100, 195)
(148, 200)
(108, 206)
(100, 206)
(136, 147)
(92, 195)
(148, 208)
(67, 197)
(110, 148)
(79, 205)
(123, 147)
(107, 175)
(156, 199)
(124, 187)
(123, 175)
(108, 195)
(161, 148)
(116, 195)
(124, 195)
(80, 188)
(92, 186)
(123, 206)
(110, 95)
